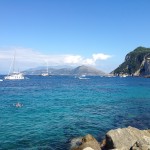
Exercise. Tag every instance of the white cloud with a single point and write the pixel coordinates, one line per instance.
(89, 61)
(72, 59)
(100, 56)
(29, 58)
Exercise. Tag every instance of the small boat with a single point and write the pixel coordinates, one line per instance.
(83, 77)
(44, 74)
(1, 80)
(14, 75)
(123, 76)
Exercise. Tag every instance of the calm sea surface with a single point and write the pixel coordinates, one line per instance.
(57, 109)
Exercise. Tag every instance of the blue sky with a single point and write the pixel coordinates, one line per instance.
(72, 32)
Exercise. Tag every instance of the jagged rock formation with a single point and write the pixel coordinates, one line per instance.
(136, 63)
(119, 139)
(127, 138)
(86, 143)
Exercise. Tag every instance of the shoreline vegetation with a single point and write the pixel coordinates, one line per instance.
(129, 138)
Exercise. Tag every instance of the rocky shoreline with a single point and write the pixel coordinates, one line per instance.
(129, 138)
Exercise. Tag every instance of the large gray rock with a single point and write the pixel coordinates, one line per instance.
(86, 143)
(127, 138)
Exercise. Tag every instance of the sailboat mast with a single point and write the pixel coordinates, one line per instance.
(12, 66)
(14, 61)
(47, 67)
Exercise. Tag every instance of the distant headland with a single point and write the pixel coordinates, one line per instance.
(137, 63)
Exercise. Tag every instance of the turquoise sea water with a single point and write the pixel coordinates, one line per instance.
(57, 109)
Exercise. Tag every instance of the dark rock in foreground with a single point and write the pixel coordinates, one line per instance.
(86, 143)
(120, 139)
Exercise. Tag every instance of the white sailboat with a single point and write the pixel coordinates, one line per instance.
(14, 75)
(44, 74)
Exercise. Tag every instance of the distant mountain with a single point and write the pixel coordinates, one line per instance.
(86, 70)
(136, 63)
(78, 71)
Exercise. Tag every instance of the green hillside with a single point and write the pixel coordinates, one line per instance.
(134, 62)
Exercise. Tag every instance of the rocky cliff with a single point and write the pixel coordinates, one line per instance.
(136, 63)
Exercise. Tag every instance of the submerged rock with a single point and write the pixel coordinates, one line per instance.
(88, 142)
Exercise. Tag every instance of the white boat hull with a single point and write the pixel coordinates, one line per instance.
(44, 74)
(15, 76)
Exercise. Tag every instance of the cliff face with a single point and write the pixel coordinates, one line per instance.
(136, 63)
(146, 68)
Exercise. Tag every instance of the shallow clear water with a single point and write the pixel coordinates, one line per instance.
(57, 109)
